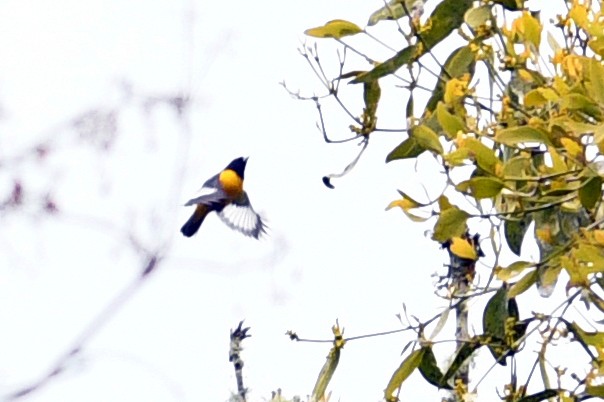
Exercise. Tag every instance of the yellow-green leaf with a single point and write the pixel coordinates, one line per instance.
(334, 29)
(451, 223)
(575, 101)
(461, 61)
(393, 11)
(523, 284)
(478, 16)
(481, 187)
(407, 203)
(458, 157)
(596, 76)
(511, 271)
(400, 375)
(515, 136)
(595, 390)
(591, 256)
(371, 96)
(540, 96)
(427, 139)
(330, 365)
(450, 123)
(407, 149)
(588, 338)
(446, 17)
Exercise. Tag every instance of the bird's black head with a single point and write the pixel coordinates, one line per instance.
(238, 165)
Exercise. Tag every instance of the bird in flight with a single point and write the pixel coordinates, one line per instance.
(224, 194)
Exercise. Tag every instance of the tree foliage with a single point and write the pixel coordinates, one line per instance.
(515, 125)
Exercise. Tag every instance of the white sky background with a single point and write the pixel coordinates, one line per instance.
(330, 254)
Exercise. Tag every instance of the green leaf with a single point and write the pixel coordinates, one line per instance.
(463, 353)
(334, 29)
(393, 11)
(407, 149)
(400, 375)
(481, 187)
(540, 97)
(446, 17)
(484, 156)
(451, 223)
(450, 123)
(461, 61)
(539, 396)
(595, 390)
(430, 371)
(514, 231)
(427, 139)
(515, 136)
(591, 192)
(329, 367)
(523, 284)
(495, 314)
(514, 269)
(596, 76)
(512, 5)
(574, 101)
(478, 16)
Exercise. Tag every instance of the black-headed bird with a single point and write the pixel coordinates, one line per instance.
(225, 195)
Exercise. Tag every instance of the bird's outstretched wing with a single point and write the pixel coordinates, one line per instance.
(239, 215)
(210, 193)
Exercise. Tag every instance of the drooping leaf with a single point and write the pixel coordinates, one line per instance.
(501, 325)
(330, 365)
(547, 277)
(334, 29)
(371, 96)
(596, 77)
(463, 353)
(407, 367)
(407, 149)
(493, 322)
(514, 231)
(591, 192)
(430, 371)
(407, 203)
(446, 17)
(523, 284)
(451, 223)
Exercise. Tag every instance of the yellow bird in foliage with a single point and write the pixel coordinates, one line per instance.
(224, 194)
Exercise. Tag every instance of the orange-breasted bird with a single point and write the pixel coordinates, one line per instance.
(224, 194)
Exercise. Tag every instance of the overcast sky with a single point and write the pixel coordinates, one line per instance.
(330, 254)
